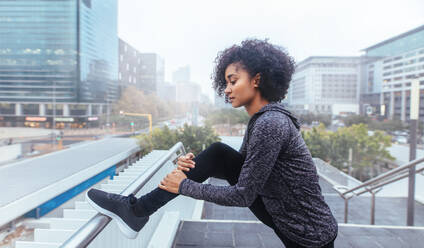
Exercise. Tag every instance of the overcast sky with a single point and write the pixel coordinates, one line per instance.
(192, 32)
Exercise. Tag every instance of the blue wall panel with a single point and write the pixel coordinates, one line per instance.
(62, 198)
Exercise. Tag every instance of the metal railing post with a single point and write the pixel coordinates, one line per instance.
(372, 208)
(346, 210)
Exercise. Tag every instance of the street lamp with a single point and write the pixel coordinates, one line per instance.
(414, 115)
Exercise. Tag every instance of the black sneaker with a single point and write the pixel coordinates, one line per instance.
(119, 208)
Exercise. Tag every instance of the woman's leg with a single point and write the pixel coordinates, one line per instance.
(132, 213)
(218, 160)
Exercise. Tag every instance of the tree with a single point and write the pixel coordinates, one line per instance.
(356, 119)
(133, 100)
(318, 142)
(311, 117)
(333, 147)
(192, 137)
(231, 116)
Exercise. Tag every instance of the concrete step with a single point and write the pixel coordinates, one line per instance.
(32, 244)
(113, 187)
(83, 205)
(78, 214)
(66, 224)
(52, 235)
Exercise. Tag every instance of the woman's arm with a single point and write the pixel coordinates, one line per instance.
(269, 136)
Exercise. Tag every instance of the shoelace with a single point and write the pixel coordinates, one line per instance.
(119, 198)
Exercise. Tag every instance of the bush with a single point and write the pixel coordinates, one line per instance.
(192, 137)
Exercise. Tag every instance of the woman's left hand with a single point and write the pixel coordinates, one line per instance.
(171, 182)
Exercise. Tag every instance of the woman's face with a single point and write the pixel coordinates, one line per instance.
(241, 88)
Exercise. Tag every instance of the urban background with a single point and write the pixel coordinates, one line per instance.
(67, 77)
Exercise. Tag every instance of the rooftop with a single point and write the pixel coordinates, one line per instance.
(415, 30)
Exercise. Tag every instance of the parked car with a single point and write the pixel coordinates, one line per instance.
(402, 140)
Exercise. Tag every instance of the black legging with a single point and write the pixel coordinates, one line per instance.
(218, 160)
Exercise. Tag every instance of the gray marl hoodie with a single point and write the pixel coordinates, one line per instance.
(278, 167)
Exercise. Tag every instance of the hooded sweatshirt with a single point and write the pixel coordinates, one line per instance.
(278, 167)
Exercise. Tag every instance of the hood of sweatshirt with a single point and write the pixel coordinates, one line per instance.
(275, 106)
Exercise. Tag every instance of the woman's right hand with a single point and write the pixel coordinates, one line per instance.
(185, 163)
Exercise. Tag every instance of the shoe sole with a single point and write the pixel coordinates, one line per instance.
(125, 229)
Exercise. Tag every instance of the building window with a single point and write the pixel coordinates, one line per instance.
(120, 76)
(134, 69)
(128, 67)
(125, 48)
(121, 57)
(410, 62)
(409, 55)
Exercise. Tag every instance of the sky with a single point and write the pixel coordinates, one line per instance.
(192, 32)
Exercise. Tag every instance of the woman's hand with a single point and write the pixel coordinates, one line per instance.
(185, 162)
(171, 182)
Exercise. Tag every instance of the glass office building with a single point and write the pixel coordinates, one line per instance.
(57, 51)
(98, 49)
(388, 69)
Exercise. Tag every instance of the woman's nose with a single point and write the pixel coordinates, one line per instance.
(227, 90)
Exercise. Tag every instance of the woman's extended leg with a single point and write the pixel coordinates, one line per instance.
(218, 160)
(132, 214)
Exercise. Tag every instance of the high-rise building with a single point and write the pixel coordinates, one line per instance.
(152, 73)
(57, 58)
(129, 66)
(326, 85)
(188, 92)
(387, 71)
(145, 71)
(168, 92)
(181, 75)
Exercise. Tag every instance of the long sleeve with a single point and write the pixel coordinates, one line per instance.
(268, 137)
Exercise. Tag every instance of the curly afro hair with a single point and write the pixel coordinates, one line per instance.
(272, 62)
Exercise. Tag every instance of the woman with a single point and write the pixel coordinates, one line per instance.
(273, 173)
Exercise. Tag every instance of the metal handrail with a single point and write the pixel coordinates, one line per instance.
(90, 230)
(374, 185)
(389, 182)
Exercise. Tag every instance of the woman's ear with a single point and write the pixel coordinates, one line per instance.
(257, 79)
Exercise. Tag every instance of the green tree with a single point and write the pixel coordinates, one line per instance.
(192, 137)
(318, 142)
(356, 119)
(333, 147)
(231, 116)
